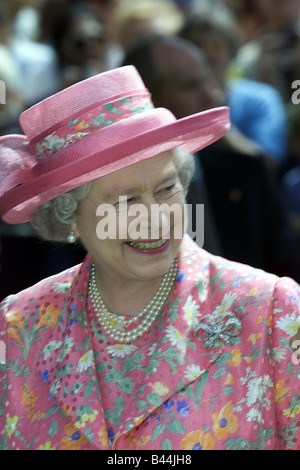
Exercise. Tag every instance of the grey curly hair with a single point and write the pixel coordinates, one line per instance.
(53, 220)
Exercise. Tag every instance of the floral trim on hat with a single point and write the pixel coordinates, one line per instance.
(92, 121)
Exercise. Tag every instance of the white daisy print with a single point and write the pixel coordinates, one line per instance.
(201, 286)
(176, 338)
(53, 143)
(257, 391)
(50, 347)
(61, 287)
(191, 311)
(67, 345)
(254, 415)
(121, 350)
(289, 324)
(55, 387)
(193, 372)
(279, 354)
(85, 361)
(226, 304)
(152, 349)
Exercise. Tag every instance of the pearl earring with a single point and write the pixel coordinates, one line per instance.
(71, 237)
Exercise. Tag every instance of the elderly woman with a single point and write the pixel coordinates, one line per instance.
(150, 343)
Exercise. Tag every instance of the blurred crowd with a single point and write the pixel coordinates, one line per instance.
(193, 55)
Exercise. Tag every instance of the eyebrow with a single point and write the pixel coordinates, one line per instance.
(115, 192)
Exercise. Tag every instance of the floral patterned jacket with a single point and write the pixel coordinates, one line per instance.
(216, 372)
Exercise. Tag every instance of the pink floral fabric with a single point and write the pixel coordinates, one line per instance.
(93, 120)
(215, 372)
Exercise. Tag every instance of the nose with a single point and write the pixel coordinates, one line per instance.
(153, 219)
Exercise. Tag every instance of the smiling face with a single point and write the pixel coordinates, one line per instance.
(151, 183)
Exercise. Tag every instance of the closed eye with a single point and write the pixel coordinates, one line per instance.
(167, 189)
(124, 201)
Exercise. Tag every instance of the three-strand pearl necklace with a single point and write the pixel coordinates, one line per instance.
(116, 326)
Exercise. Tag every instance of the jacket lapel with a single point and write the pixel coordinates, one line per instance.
(182, 356)
(70, 365)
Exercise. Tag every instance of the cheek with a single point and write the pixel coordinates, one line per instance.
(87, 224)
(172, 220)
(168, 218)
(180, 219)
(106, 223)
(179, 223)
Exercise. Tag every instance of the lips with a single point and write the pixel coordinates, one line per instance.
(147, 245)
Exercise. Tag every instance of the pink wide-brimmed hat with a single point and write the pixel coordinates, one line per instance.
(89, 130)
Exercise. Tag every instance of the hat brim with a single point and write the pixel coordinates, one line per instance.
(155, 132)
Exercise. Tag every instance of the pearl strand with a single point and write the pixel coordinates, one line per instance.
(148, 315)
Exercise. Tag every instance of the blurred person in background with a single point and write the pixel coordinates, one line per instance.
(278, 62)
(249, 19)
(11, 102)
(290, 184)
(142, 18)
(38, 75)
(238, 189)
(29, 68)
(81, 42)
(256, 109)
(290, 180)
(272, 53)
